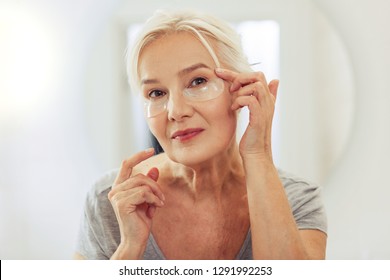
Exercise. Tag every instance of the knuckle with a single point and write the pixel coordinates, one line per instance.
(252, 100)
(111, 194)
(145, 194)
(259, 75)
(259, 86)
(114, 200)
(137, 179)
(121, 204)
(138, 176)
(145, 188)
(249, 100)
(142, 195)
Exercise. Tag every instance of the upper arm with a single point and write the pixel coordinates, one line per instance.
(314, 242)
(98, 230)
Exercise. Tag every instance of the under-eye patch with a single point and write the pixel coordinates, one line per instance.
(206, 91)
(156, 104)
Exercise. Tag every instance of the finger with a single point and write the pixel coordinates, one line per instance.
(244, 79)
(151, 210)
(146, 196)
(273, 87)
(237, 80)
(153, 174)
(253, 106)
(256, 89)
(135, 197)
(240, 79)
(261, 91)
(137, 181)
(243, 101)
(226, 74)
(128, 164)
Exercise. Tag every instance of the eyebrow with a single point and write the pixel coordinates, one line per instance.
(180, 73)
(192, 68)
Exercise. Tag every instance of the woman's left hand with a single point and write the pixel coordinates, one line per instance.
(251, 90)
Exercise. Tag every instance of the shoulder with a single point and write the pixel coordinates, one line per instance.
(305, 200)
(103, 184)
(97, 200)
(99, 231)
(294, 184)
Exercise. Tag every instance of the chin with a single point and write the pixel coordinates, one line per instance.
(196, 155)
(189, 156)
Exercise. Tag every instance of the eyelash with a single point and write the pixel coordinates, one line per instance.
(204, 80)
(162, 93)
(154, 91)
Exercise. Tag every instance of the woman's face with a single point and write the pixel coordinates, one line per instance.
(190, 131)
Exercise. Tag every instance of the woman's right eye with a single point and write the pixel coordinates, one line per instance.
(156, 94)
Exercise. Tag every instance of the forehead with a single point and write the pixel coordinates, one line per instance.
(172, 53)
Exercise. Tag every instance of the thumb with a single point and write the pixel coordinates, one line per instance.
(153, 173)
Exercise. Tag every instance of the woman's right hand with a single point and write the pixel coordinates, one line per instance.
(134, 199)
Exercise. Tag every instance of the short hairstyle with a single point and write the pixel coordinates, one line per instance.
(218, 37)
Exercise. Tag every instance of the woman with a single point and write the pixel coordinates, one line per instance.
(206, 196)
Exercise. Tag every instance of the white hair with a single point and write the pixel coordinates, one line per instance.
(219, 38)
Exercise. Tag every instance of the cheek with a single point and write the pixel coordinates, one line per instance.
(231, 118)
(157, 127)
(223, 110)
(223, 118)
(230, 122)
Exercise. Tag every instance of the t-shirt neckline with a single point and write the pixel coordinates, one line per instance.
(238, 257)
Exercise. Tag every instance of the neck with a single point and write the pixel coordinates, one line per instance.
(220, 175)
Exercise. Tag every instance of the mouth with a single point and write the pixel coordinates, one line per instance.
(184, 135)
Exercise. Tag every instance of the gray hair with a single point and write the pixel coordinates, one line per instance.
(211, 32)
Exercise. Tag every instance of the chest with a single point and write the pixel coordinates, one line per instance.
(201, 233)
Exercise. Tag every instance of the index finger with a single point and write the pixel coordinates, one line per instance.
(128, 164)
(225, 74)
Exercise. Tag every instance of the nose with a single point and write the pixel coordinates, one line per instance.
(178, 107)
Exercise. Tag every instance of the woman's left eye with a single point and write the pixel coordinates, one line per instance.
(198, 81)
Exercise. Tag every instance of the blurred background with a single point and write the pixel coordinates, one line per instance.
(67, 115)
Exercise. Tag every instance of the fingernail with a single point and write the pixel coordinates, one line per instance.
(218, 70)
(149, 151)
(153, 173)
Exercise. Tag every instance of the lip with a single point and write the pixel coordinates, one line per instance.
(183, 135)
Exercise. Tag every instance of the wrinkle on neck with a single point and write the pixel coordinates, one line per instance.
(214, 177)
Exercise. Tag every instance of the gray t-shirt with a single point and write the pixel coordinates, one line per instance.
(99, 234)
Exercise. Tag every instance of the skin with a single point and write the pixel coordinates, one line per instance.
(207, 190)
